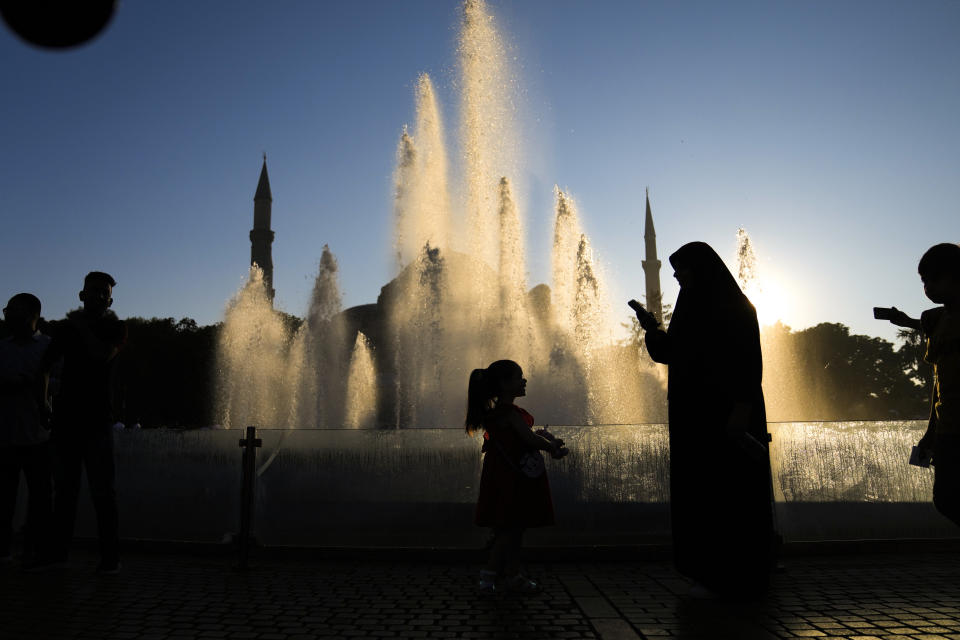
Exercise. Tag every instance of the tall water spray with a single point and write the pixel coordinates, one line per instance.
(434, 202)
(746, 263)
(566, 240)
(324, 346)
(454, 307)
(488, 135)
(459, 299)
(444, 309)
(422, 226)
(786, 394)
(579, 354)
(417, 326)
(271, 376)
(518, 330)
(421, 197)
(361, 397)
(405, 197)
(592, 335)
(254, 383)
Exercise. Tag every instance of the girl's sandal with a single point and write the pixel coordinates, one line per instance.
(522, 584)
(487, 585)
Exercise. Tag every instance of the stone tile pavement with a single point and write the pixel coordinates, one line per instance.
(165, 596)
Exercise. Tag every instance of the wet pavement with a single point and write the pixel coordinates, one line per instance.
(856, 593)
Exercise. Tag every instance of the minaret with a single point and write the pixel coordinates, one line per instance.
(261, 236)
(651, 266)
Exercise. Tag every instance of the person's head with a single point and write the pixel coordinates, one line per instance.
(97, 292)
(697, 267)
(691, 262)
(501, 382)
(939, 270)
(22, 313)
(685, 276)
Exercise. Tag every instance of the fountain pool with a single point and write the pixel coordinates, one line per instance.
(417, 488)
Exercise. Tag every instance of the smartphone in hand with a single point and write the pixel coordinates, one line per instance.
(647, 320)
(883, 313)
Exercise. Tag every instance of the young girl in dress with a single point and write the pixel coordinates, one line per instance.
(514, 491)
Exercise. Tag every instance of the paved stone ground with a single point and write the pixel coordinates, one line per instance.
(914, 594)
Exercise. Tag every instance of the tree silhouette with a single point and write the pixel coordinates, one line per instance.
(846, 376)
(166, 372)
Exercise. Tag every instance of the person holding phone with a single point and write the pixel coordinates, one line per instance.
(897, 317)
(720, 491)
(939, 271)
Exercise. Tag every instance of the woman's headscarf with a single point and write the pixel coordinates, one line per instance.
(714, 287)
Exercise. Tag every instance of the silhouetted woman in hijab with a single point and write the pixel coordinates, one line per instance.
(720, 492)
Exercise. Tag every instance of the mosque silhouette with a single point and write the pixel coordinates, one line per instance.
(371, 319)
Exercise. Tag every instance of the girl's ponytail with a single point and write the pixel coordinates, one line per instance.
(478, 399)
(485, 385)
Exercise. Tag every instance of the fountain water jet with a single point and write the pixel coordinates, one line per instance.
(421, 196)
(324, 352)
(787, 395)
(517, 327)
(746, 263)
(566, 239)
(361, 386)
(417, 324)
(253, 371)
(488, 133)
(272, 377)
(404, 195)
(460, 298)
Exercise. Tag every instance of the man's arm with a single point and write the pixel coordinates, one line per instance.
(901, 319)
(41, 391)
(54, 352)
(117, 339)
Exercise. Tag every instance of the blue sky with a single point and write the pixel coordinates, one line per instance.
(827, 129)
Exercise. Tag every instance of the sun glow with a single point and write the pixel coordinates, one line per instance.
(771, 299)
(767, 293)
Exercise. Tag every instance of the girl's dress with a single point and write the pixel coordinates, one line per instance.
(508, 498)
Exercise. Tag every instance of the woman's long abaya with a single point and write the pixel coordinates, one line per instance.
(720, 491)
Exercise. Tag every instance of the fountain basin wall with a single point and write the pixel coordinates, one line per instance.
(417, 487)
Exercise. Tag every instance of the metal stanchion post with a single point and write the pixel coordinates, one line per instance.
(247, 495)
